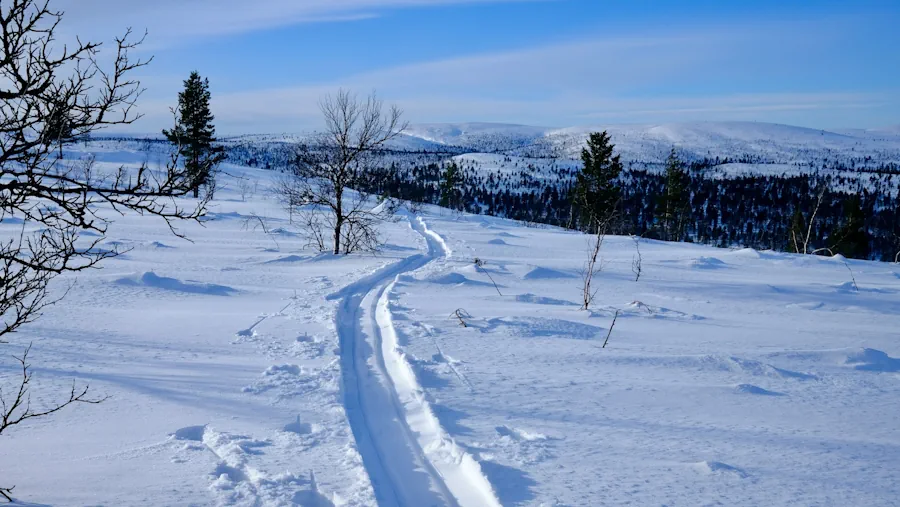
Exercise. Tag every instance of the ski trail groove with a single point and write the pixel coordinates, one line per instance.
(410, 459)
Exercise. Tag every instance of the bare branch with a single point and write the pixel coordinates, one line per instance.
(479, 265)
(461, 315)
(611, 326)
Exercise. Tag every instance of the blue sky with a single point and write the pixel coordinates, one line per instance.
(822, 64)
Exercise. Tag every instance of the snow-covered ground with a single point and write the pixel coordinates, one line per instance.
(245, 369)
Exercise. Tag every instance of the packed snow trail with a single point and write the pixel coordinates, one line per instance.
(385, 406)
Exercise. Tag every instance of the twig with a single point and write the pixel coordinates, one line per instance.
(855, 286)
(254, 218)
(479, 264)
(461, 315)
(611, 329)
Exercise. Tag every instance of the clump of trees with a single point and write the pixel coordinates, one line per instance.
(325, 188)
(50, 96)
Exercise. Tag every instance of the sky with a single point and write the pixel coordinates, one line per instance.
(555, 63)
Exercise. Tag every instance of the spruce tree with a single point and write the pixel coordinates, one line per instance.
(596, 192)
(450, 180)
(796, 241)
(850, 238)
(674, 204)
(194, 133)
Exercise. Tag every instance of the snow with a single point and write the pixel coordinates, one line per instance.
(245, 369)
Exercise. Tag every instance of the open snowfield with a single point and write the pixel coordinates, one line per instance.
(246, 369)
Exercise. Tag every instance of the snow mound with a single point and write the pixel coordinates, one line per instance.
(159, 245)
(520, 434)
(756, 368)
(752, 389)
(190, 433)
(541, 273)
(541, 300)
(747, 253)
(719, 468)
(707, 263)
(497, 241)
(536, 327)
(300, 428)
(151, 279)
(847, 287)
(874, 360)
(640, 309)
(455, 279)
(281, 231)
(289, 258)
(290, 369)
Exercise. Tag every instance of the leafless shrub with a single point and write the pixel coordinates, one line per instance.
(638, 260)
(247, 188)
(593, 265)
(331, 166)
(461, 315)
(255, 222)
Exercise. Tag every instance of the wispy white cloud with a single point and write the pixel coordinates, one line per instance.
(172, 21)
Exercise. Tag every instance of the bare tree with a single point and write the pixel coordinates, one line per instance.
(593, 266)
(55, 200)
(638, 260)
(334, 164)
(247, 187)
(801, 241)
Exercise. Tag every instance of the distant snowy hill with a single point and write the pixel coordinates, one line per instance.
(490, 136)
(762, 142)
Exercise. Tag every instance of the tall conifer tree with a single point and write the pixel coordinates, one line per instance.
(194, 133)
(450, 180)
(596, 192)
(674, 204)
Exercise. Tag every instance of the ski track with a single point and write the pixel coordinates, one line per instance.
(410, 459)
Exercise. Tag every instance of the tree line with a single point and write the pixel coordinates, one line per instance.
(858, 219)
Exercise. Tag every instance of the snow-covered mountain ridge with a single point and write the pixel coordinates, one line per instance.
(767, 142)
